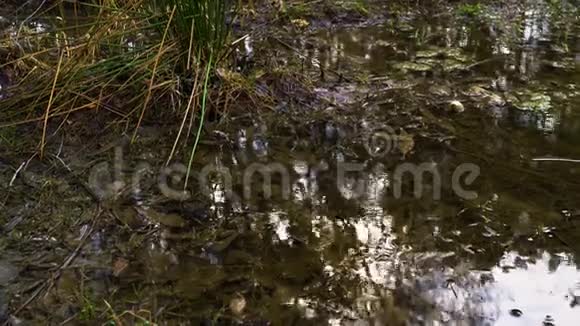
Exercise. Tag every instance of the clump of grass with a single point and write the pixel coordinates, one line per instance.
(199, 26)
(122, 57)
(88, 311)
(129, 317)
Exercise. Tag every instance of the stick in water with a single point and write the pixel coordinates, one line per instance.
(554, 159)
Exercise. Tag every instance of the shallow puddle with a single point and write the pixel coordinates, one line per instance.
(438, 182)
(502, 255)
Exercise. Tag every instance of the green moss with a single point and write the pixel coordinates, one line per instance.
(88, 311)
(470, 9)
(361, 7)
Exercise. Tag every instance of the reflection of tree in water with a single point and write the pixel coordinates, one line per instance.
(375, 265)
(325, 256)
(459, 256)
(321, 256)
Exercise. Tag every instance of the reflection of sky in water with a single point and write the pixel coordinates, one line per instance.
(536, 25)
(535, 288)
(537, 291)
(248, 47)
(280, 224)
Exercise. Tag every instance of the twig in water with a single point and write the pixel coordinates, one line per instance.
(20, 168)
(473, 65)
(16, 174)
(555, 159)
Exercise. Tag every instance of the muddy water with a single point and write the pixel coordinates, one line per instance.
(487, 112)
(506, 257)
(350, 248)
(451, 95)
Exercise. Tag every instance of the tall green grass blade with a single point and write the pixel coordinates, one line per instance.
(202, 119)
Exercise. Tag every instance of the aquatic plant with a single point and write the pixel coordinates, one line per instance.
(199, 26)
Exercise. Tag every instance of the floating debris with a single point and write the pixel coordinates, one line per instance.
(516, 313)
(456, 106)
(237, 305)
(549, 321)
